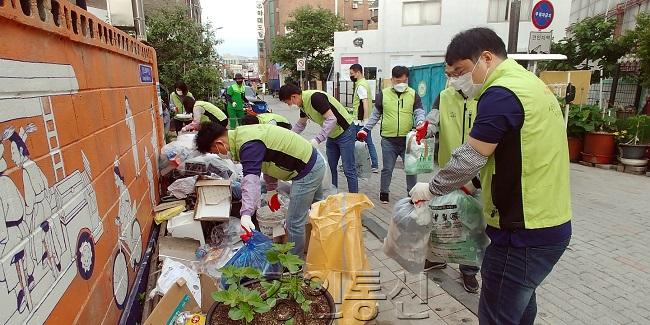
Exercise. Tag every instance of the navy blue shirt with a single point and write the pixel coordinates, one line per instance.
(499, 111)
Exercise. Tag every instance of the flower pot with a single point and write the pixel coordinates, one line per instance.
(632, 151)
(599, 148)
(575, 147)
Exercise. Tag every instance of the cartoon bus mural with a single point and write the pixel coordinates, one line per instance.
(78, 174)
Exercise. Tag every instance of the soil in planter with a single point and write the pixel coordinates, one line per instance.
(282, 311)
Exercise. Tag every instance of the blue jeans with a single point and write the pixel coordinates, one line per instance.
(304, 192)
(391, 148)
(343, 147)
(374, 160)
(510, 277)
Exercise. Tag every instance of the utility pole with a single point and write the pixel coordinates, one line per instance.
(513, 31)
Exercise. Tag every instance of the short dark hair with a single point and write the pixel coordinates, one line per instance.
(188, 104)
(469, 44)
(181, 85)
(356, 67)
(400, 71)
(249, 120)
(289, 90)
(209, 132)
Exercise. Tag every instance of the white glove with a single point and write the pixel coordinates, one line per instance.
(247, 223)
(234, 104)
(421, 192)
(313, 142)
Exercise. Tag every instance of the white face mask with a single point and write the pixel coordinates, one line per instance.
(400, 87)
(465, 83)
(179, 93)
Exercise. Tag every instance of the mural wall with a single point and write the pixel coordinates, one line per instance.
(78, 173)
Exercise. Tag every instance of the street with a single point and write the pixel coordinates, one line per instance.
(601, 279)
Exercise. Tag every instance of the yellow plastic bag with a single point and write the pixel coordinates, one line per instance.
(337, 256)
(168, 214)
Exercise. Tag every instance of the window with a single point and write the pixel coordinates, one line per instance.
(499, 10)
(357, 25)
(421, 13)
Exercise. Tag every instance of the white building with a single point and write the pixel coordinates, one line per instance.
(581, 9)
(417, 32)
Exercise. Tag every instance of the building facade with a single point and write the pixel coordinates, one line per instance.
(418, 32)
(233, 64)
(629, 9)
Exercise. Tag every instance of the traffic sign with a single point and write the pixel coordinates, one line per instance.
(540, 42)
(300, 64)
(542, 14)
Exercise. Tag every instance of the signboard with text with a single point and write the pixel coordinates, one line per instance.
(542, 14)
(540, 42)
(260, 19)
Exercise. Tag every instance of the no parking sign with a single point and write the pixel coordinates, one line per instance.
(542, 14)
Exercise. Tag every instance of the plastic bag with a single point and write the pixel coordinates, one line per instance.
(362, 159)
(178, 151)
(407, 241)
(458, 234)
(272, 222)
(172, 271)
(253, 254)
(419, 157)
(183, 187)
(337, 254)
(326, 186)
(209, 164)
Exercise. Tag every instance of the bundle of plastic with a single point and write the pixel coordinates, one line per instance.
(362, 159)
(253, 254)
(419, 155)
(407, 241)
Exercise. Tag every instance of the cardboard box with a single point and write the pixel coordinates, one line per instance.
(184, 226)
(179, 299)
(182, 250)
(212, 200)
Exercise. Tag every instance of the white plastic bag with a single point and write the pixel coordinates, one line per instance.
(171, 272)
(183, 187)
(362, 159)
(272, 223)
(458, 234)
(407, 240)
(419, 157)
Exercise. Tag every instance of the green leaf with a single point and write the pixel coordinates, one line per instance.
(283, 248)
(235, 314)
(271, 302)
(290, 321)
(251, 273)
(306, 306)
(272, 256)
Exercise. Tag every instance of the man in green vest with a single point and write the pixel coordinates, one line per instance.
(326, 111)
(235, 99)
(397, 107)
(202, 112)
(518, 143)
(176, 102)
(277, 153)
(267, 118)
(452, 116)
(361, 108)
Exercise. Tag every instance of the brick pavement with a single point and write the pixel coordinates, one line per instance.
(601, 279)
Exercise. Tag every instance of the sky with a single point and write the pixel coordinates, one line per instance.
(239, 25)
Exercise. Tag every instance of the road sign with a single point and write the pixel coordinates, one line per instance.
(542, 14)
(300, 64)
(540, 42)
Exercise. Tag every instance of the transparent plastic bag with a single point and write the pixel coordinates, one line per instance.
(209, 164)
(253, 254)
(407, 241)
(458, 234)
(177, 152)
(272, 222)
(419, 157)
(362, 159)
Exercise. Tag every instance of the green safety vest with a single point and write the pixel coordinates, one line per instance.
(456, 118)
(339, 111)
(287, 153)
(178, 102)
(266, 118)
(397, 117)
(531, 192)
(356, 102)
(236, 92)
(211, 112)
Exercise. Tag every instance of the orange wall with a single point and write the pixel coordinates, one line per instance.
(74, 113)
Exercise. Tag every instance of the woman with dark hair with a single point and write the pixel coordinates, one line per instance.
(176, 101)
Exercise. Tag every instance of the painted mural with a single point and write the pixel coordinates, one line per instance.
(78, 166)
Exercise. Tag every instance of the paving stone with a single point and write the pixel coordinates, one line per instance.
(426, 289)
(392, 265)
(444, 305)
(462, 317)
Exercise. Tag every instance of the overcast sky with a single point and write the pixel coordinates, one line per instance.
(238, 19)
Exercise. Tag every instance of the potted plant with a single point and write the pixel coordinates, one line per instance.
(576, 129)
(633, 137)
(282, 299)
(600, 145)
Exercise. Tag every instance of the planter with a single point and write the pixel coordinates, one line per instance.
(322, 311)
(632, 151)
(600, 148)
(575, 147)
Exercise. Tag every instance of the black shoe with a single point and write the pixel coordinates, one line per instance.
(383, 197)
(470, 283)
(428, 265)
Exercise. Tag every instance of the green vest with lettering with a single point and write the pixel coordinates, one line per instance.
(318, 118)
(178, 102)
(236, 93)
(287, 153)
(456, 119)
(397, 115)
(356, 102)
(265, 118)
(539, 195)
(211, 112)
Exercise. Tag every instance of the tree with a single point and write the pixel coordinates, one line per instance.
(642, 46)
(186, 51)
(310, 35)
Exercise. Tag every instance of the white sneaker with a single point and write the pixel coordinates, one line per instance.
(375, 170)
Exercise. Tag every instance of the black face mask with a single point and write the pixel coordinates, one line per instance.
(239, 82)
(353, 78)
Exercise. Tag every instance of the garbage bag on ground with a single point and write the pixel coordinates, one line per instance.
(407, 241)
(170, 273)
(183, 187)
(458, 234)
(178, 151)
(419, 157)
(337, 255)
(253, 254)
(362, 159)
